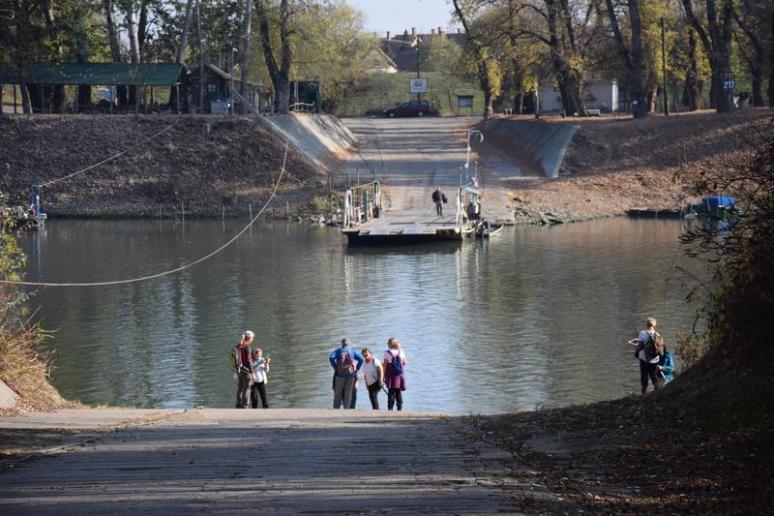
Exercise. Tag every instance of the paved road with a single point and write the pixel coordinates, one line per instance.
(414, 155)
(286, 461)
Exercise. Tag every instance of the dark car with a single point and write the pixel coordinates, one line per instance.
(411, 108)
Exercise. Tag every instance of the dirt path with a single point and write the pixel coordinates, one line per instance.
(226, 461)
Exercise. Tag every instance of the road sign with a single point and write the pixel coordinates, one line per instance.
(418, 85)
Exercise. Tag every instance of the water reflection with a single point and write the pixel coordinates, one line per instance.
(536, 317)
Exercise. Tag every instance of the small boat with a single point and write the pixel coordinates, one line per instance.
(486, 229)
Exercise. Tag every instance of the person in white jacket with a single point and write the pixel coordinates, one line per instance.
(260, 378)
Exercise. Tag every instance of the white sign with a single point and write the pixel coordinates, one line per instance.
(418, 85)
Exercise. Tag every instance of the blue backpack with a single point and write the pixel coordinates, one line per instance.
(397, 364)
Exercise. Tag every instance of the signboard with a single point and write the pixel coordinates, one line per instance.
(418, 85)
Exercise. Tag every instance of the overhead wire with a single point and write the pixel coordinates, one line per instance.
(171, 271)
(114, 156)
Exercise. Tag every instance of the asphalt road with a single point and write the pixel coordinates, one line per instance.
(258, 461)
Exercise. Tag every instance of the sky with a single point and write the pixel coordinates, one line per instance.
(399, 15)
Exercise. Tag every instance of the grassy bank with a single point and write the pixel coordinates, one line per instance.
(24, 366)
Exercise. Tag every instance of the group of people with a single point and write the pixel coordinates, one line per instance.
(656, 363)
(387, 374)
(251, 370)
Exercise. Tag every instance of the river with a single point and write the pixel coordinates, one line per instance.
(537, 317)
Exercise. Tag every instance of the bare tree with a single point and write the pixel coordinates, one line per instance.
(716, 40)
(115, 48)
(246, 53)
(632, 54)
(57, 102)
(134, 48)
(482, 62)
(279, 73)
(751, 19)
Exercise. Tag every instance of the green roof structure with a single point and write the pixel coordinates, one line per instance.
(102, 74)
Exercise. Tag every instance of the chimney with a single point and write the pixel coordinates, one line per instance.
(432, 31)
(413, 32)
(440, 30)
(405, 32)
(389, 36)
(459, 30)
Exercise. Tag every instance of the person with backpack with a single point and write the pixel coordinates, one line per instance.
(394, 363)
(650, 349)
(242, 367)
(438, 198)
(346, 362)
(260, 367)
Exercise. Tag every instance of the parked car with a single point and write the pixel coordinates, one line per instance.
(411, 108)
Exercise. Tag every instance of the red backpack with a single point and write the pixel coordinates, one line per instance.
(345, 364)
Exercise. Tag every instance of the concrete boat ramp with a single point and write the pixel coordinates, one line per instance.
(261, 461)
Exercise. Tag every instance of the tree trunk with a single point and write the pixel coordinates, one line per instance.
(638, 88)
(115, 49)
(717, 43)
(280, 74)
(771, 62)
(84, 90)
(692, 95)
(134, 49)
(246, 54)
(186, 31)
(182, 48)
(58, 99)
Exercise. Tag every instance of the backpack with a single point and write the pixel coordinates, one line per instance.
(233, 360)
(654, 347)
(345, 364)
(397, 364)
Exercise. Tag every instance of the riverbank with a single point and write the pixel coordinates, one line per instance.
(701, 445)
(614, 164)
(162, 167)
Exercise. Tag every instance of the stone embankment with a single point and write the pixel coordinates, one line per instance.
(197, 165)
(614, 163)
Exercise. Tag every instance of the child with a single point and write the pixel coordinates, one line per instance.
(260, 378)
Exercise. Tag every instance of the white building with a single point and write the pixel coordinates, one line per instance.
(597, 94)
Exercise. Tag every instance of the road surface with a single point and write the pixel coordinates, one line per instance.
(285, 461)
(413, 156)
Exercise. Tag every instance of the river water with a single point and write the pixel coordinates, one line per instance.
(537, 317)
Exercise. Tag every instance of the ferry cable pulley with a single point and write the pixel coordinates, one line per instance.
(171, 271)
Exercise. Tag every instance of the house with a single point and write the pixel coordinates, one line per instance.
(597, 94)
(217, 85)
(404, 55)
(378, 62)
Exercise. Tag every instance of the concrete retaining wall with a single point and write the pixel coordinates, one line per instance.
(323, 139)
(542, 142)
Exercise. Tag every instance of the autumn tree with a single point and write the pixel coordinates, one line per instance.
(754, 22)
(716, 37)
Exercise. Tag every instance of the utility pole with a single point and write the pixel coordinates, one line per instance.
(663, 67)
(419, 95)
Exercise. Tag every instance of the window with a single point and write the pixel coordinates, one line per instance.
(212, 87)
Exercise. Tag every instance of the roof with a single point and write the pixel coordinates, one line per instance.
(377, 59)
(405, 56)
(105, 74)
